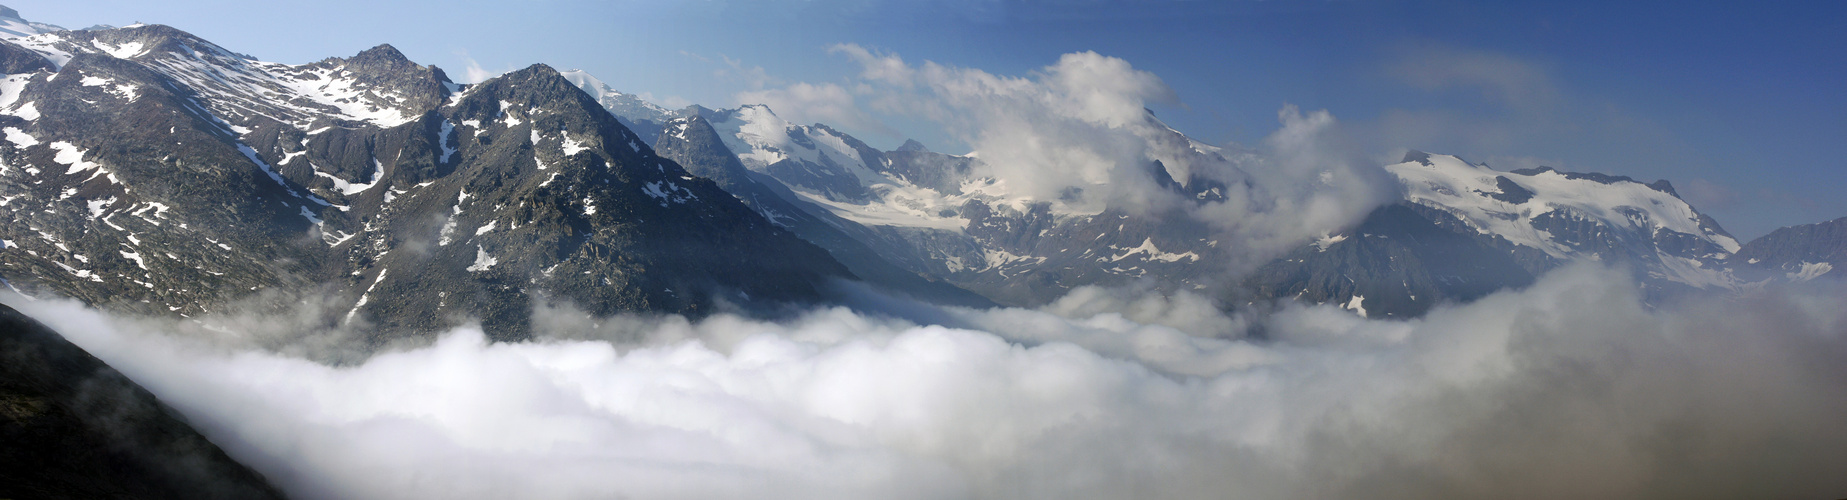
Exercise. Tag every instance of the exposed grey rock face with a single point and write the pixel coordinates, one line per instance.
(938, 171)
(1795, 253)
(75, 428)
(131, 194)
(551, 194)
(16, 60)
(156, 172)
(1399, 262)
(693, 143)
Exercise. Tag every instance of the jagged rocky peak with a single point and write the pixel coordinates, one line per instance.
(550, 196)
(536, 93)
(382, 58)
(414, 86)
(1795, 253)
(912, 146)
(540, 82)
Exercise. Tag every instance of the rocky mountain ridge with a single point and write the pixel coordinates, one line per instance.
(153, 171)
(150, 170)
(928, 212)
(1795, 253)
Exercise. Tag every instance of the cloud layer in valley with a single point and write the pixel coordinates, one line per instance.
(1571, 388)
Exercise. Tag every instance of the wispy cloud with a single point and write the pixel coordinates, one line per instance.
(754, 76)
(807, 103)
(1486, 101)
(1497, 77)
(1708, 195)
(472, 72)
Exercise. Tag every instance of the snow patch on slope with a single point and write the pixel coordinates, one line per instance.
(1357, 305)
(123, 51)
(68, 154)
(353, 188)
(1151, 252)
(20, 138)
(1810, 271)
(483, 261)
(667, 192)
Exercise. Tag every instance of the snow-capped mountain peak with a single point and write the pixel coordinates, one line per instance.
(1571, 215)
(378, 86)
(12, 26)
(625, 105)
(811, 158)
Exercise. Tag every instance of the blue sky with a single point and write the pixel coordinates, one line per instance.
(1741, 106)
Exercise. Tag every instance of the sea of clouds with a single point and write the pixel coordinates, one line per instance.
(1572, 388)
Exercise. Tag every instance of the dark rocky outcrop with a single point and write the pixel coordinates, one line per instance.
(1400, 260)
(73, 428)
(1784, 253)
(15, 60)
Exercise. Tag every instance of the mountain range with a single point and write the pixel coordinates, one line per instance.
(152, 171)
(1459, 231)
(148, 171)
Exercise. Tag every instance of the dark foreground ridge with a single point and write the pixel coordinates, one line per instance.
(73, 427)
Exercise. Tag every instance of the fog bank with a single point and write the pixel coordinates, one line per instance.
(1571, 388)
